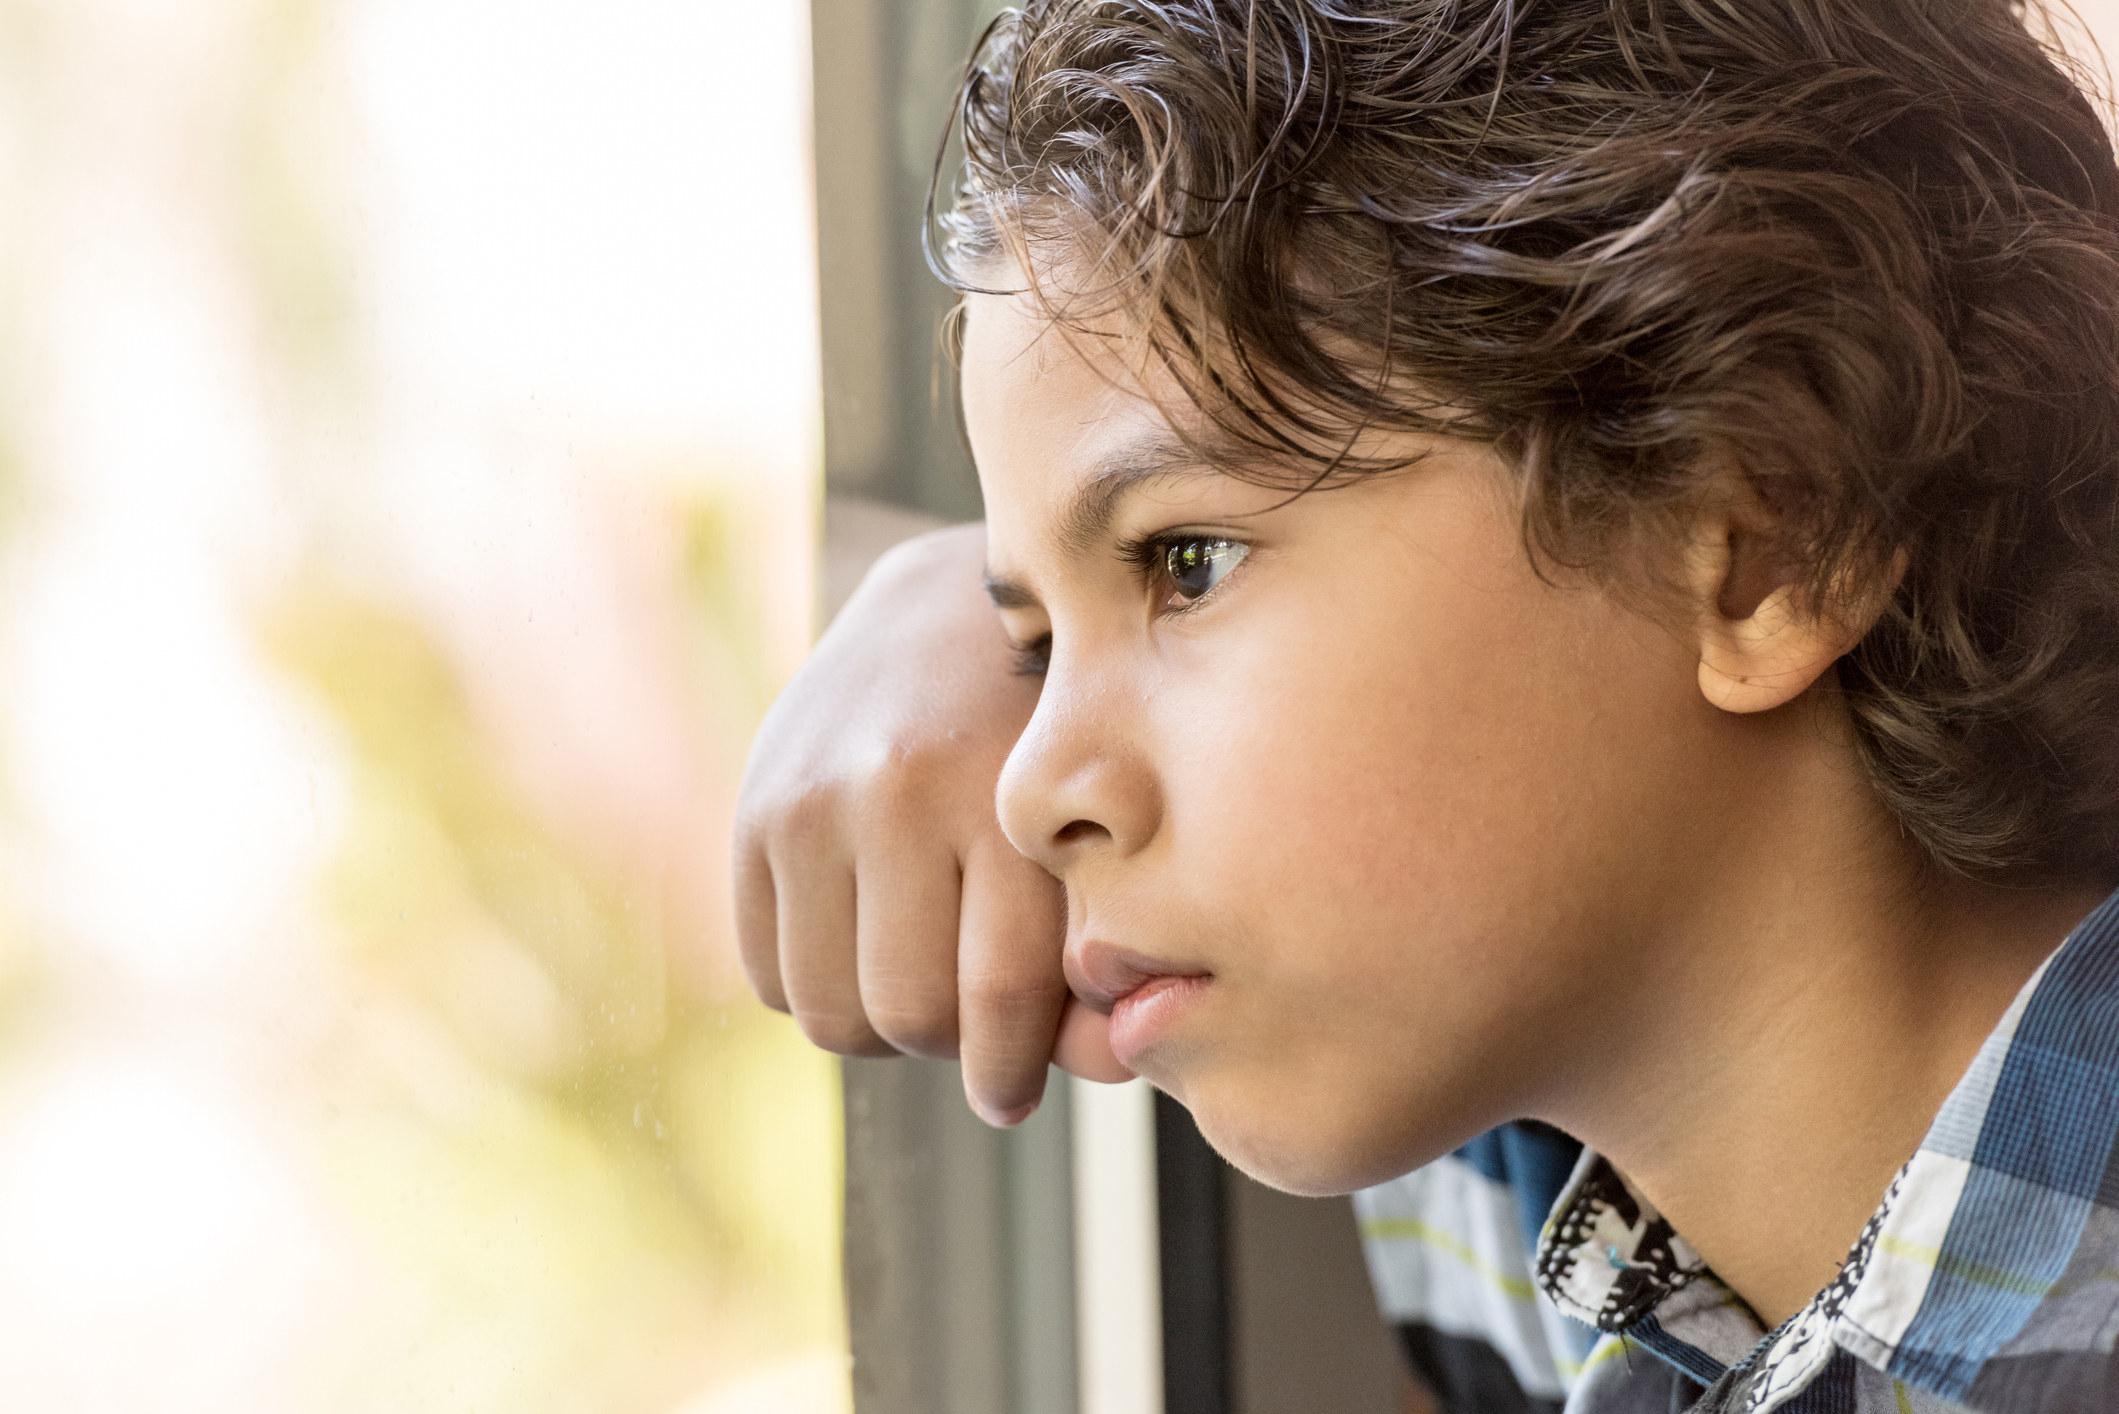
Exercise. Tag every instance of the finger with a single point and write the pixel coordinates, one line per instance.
(757, 922)
(1009, 986)
(905, 942)
(1084, 1046)
(817, 961)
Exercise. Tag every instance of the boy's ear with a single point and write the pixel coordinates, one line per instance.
(1762, 640)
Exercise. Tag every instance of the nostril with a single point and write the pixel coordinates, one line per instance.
(1075, 831)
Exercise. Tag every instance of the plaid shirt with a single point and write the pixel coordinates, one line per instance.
(1988, 1278)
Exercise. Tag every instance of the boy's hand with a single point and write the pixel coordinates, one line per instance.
(876, 898)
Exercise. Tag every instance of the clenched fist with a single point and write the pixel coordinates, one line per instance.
(877, 899)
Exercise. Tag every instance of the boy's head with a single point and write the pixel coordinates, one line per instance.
(1713, 419)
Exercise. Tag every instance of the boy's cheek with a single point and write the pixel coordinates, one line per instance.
(1371, 1004)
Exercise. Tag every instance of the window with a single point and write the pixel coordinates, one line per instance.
(407, 418)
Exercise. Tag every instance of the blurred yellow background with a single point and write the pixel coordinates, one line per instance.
(408, 451)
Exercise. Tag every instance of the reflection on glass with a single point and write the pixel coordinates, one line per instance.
(407, 440)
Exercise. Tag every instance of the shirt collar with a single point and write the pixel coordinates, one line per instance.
(1960, 1268)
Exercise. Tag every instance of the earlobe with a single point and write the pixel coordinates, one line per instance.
(1760, 644)
(1768, 659)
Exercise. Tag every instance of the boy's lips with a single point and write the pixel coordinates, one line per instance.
(1103, 975)
(1142, 995)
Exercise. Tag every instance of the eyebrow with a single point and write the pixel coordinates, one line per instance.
(1088, 516)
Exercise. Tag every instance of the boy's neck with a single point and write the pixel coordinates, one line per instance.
(1813, 1009)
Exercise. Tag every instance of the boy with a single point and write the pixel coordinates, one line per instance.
(1559, 563)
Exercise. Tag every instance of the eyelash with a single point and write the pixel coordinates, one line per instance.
(1148, 556)
(1034, 659)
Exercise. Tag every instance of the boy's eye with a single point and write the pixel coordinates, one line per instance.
(1197, 565)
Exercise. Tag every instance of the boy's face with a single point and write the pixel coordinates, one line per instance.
(1410, 822)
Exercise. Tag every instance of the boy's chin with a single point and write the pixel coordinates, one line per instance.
(1310, 1151)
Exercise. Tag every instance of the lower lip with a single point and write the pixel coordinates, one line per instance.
(1142, 1017)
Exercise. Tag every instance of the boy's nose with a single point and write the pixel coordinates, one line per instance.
(1075, 783)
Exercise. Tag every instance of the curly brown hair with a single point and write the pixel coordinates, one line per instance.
(1866, 249)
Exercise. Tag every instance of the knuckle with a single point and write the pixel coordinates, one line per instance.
(921, 1030)
(904, 777)
(842, 1035)
(1006, 992)
(899, 784)
(806, 819)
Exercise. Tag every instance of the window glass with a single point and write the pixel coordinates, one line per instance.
(408, 438)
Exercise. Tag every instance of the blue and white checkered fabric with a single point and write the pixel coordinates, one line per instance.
(1988, 1278)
